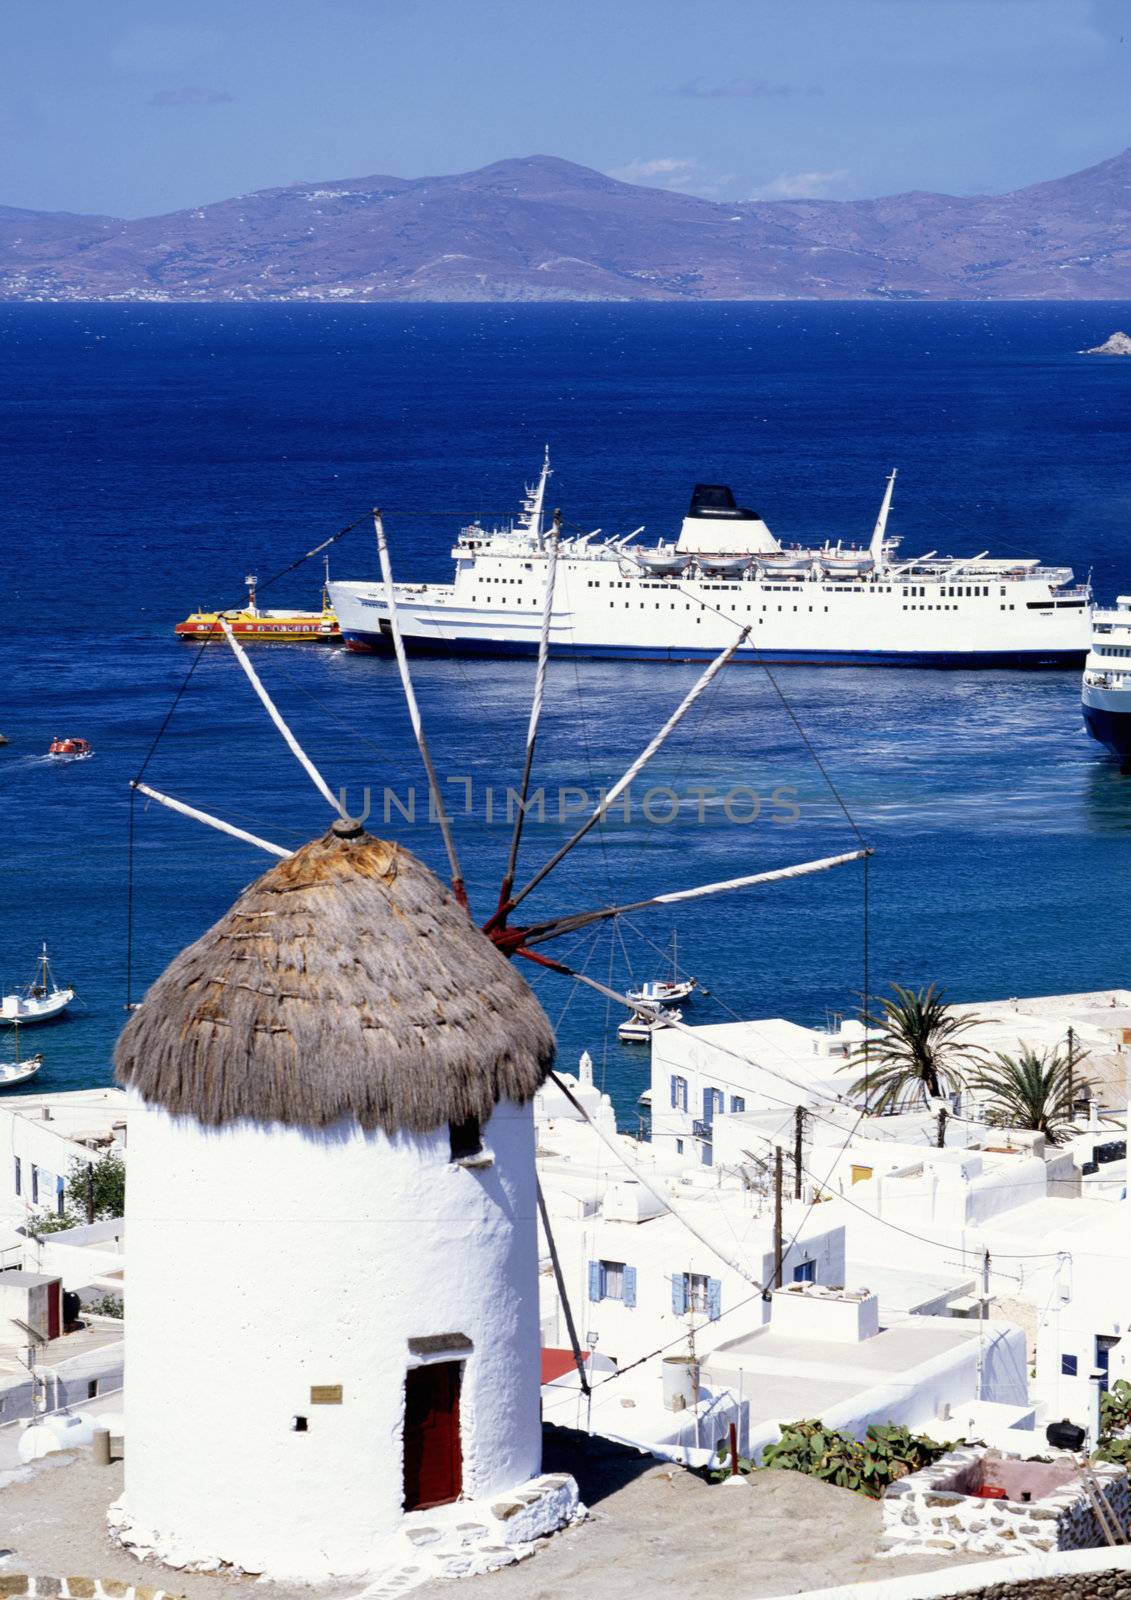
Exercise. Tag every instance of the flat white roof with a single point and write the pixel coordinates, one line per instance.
(71, 1111)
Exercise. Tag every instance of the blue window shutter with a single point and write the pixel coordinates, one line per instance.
(675, 1092)
(708, 1106)
(595, 1285)
(630, 1286)
(34, 1184)
(679, 1294)
(60, 1196)
(19, 1176)
(714, 1298)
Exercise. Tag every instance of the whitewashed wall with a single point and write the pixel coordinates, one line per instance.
(265, 1260)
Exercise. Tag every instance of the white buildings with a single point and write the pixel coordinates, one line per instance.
(331, 1213)
(1017, 1240)
(42, 1135)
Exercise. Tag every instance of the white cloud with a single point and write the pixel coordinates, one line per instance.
(799, 185)
(681, 174)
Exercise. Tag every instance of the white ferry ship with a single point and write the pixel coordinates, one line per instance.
(832, 603)
(1106, 693)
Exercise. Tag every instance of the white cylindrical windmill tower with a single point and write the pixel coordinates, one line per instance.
(333, 1297)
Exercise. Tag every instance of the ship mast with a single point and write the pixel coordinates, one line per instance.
(534, 500)
(876, 547)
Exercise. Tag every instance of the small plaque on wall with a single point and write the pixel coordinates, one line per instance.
(326, 1394)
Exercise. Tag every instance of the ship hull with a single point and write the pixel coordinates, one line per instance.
(380, 643)
(1109, 724)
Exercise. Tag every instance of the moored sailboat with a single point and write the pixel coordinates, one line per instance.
(38, 1001)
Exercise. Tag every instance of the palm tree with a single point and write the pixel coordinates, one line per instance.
(919, 1054)
(1036, 1089)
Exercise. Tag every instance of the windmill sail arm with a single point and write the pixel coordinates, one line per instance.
(554, 930)
(273, 712)
(212, 822)
(414, 711)
(535, 710)
(608, 800)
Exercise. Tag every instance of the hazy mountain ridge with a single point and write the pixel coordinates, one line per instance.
(541, 228)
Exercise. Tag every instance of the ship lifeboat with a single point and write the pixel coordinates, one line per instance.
(75, 749)
(840, 563)
(663, 561)
(723, 566)
(788, 562)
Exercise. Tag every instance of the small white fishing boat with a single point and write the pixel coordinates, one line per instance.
(639, 1028)
(38, 1001)
(13, 1072)
(663, 991)
(18, 1071)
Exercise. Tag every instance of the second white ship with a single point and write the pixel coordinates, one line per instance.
(827, 604)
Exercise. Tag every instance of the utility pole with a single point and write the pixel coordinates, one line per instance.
(1071, 1065)
(798, 1134)
(777, 1216)
(982, 1313)
(941, 1139)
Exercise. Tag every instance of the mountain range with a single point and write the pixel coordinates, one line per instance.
(540, 228)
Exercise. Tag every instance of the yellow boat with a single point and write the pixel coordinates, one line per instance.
(249, 623)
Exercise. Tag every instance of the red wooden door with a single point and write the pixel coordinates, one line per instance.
(54, 1310)
(433, 1462)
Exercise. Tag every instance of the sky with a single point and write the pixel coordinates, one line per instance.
(135, 107)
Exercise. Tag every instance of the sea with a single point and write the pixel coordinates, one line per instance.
(152, 455)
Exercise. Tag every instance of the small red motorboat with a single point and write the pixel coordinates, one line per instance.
(70, 747)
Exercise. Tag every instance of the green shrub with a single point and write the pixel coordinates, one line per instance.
(866, 1466)
(107, 1305)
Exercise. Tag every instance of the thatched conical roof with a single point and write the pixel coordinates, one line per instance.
(345, 982)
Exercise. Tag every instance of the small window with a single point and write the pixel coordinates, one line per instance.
(805, 1273)
(92, 1388)
(737, 1102)
(1068, 1366)
(466, 1139)
(612, 1274)
(695, 1292)
(696, 1283)
(19, 1176)
(679, 1147)
(612, 1280)
(679, 1094)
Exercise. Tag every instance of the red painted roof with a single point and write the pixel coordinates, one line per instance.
(556, 1363)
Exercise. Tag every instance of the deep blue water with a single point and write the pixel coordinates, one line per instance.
(150, 456)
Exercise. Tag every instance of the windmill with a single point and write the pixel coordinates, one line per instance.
(521, 939)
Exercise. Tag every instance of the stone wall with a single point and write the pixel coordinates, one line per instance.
(20, 1586)
(1070, 1575)
(1084, 1586)
(928, 1511)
